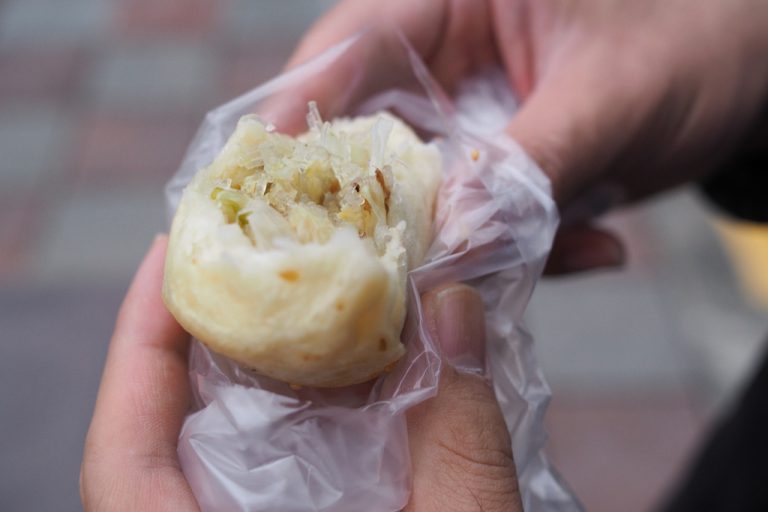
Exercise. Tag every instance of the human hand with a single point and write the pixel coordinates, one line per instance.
(460, 447)
(620, 99)
(459, 443)
(129, 460)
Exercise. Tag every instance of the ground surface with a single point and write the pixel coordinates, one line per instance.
(98, 100)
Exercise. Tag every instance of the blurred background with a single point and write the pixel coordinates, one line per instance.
(98, 100)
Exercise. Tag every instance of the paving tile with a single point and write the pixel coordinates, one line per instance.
(627, 353)
(138, 17)
(622, 453)
(35, 138)
(604, 331)
(115, 149)
(661, 323)
(25, 23)
(52, 346)
(709, 317)
(246, 68)
(38, 73)
(97, 236)
(154, 76)
(20, 222)
(270, 20)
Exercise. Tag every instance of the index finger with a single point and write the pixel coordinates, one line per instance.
(144, 391)
(372, 63)
(143, 397)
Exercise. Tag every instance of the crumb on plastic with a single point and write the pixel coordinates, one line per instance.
(295, 387)
(475, 155)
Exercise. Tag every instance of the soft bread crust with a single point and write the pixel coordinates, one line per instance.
(321, 313)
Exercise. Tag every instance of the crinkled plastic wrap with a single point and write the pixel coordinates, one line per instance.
(256, 444)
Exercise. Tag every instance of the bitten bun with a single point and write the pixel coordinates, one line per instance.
(289, 255)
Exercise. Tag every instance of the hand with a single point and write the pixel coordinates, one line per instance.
(130, 461)
(620, 99)
(461, 451)
(459, 443)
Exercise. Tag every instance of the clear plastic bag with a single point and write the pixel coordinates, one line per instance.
(256, 444)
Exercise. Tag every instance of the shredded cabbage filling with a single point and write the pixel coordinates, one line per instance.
(312, 185)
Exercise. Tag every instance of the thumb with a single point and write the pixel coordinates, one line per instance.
(461, 451)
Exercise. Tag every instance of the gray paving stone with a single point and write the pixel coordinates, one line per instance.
(43, 22)
(603, 334)
(675, 319)
(96, 236)
(274, 22)
(52, 346)
(34, 144)
(165, 75)
(710, 318)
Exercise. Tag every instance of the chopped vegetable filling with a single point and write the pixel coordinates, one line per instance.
(317, 183)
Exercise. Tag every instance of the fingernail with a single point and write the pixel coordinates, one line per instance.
(456, 319)
(606, 253)
(598, 200)
(284, 113)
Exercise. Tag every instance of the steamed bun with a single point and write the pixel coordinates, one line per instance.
(289, 255)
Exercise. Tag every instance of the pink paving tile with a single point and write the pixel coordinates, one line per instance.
(119, 148)
(19, 228)
(37, 72)
(622, 453)
(163, 16)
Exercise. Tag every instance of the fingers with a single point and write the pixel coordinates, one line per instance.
(574, 122)
(461, 451)
(582, 247)
(455, 317)
(130, 461)
(556, 128)
(419, 20)
(374, 63)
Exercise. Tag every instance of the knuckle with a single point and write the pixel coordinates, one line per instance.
(480, 480)
(473, 449)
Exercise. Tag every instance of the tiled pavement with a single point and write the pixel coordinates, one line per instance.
(624, 452)
(98, 99)
(54, 343)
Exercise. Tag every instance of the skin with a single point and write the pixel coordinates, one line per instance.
(621, 100)
(129, 461)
